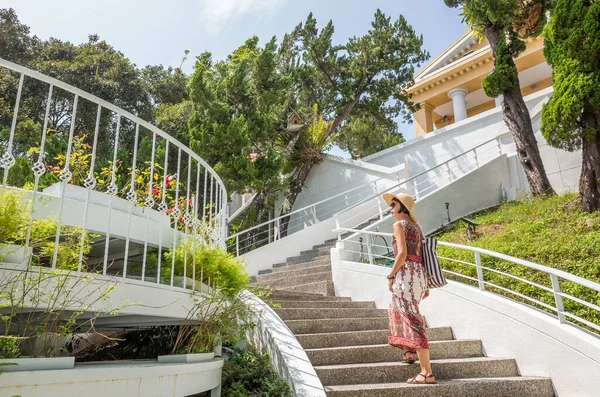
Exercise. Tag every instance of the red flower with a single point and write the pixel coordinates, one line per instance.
(156, 192)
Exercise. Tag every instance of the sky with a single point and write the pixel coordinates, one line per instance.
(158, 31)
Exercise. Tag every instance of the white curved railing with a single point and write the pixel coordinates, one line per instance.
(115, 175)
(378, 254)
(358, 203)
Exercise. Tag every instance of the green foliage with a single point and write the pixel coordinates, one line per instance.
(367, 74)
(15, 217)
(505, 74)
(12, 216)
(240, 101)
(10, 347)
(510, 22)
(552, 232)
(572, 48)
(248, 373)
(216, 317)
(364, 135)
(47, 306)
(215, 264)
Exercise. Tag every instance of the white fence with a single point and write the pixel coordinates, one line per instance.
(360, 204)
(130, 190)
(361, 248)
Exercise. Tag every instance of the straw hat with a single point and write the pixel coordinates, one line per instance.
(405, 199)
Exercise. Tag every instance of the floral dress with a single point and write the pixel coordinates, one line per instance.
(407, 328)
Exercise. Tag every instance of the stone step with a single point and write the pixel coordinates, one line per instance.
(362, 338)
(473, 387)
(324, 288)
(336, 325)
(320, 250)
(439, 350)
(326, 304)
(315, 313)
(284, 267)
(293, 272)
(306, 258)
(328, 243)
(391, 372)
(283, 295)
(284, 282)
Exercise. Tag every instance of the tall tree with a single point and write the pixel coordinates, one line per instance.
(571, 119)
(366, 75)
(365, 134)
(239, 107)
(506, 23)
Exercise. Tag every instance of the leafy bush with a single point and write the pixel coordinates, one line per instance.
(222, 268)
(216, 317)
(552, 232)
(248, 373)
(15, 217)
(10, 347)
(12, 216)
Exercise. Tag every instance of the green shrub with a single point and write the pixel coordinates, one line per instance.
(552, 232)
(248, 373)
(15, 218)
(222, 268)
(10, 347)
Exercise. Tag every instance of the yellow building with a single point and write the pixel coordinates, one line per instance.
(449, 87)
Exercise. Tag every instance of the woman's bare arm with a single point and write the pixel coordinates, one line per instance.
(401, 245)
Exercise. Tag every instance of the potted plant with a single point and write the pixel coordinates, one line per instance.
(14, 219)
(216, 317)
(42, 309)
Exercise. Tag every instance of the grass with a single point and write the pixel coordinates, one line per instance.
(552, 232)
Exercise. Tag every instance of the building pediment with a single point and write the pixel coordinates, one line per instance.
(461, 49)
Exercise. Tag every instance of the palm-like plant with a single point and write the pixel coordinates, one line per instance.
(308, 151)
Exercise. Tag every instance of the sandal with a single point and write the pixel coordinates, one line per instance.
(414, 380)
(408, 360)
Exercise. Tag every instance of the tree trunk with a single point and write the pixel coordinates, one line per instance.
(259, 209)
(517, 118)
(589, 183)
(295, 189)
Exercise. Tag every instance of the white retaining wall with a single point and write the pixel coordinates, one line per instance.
(131, 379)
(540, 344)
(289, 359)
(420, 154)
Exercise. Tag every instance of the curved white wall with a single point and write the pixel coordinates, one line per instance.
(289, 359)
(116, 379)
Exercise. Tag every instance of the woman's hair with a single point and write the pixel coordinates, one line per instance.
(403, 209)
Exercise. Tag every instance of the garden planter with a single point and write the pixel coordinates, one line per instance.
(36, 364)
(15, 254)
(186, 358)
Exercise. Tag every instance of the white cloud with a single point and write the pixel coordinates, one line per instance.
(216, 13)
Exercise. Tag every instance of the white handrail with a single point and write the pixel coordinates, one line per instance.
(312, 207)
(121, 209)
(109, 106)
(555, 275)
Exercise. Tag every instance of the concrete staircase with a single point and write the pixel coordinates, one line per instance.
(346, 342)
(310, 272)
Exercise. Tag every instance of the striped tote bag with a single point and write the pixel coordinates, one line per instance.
(435, 276)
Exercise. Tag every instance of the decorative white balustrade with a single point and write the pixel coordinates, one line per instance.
(131, 191)
(361, 203)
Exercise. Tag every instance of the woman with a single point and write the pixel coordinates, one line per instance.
(407, 282)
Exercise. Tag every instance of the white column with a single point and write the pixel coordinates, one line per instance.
(499, 100)
(458, 103)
